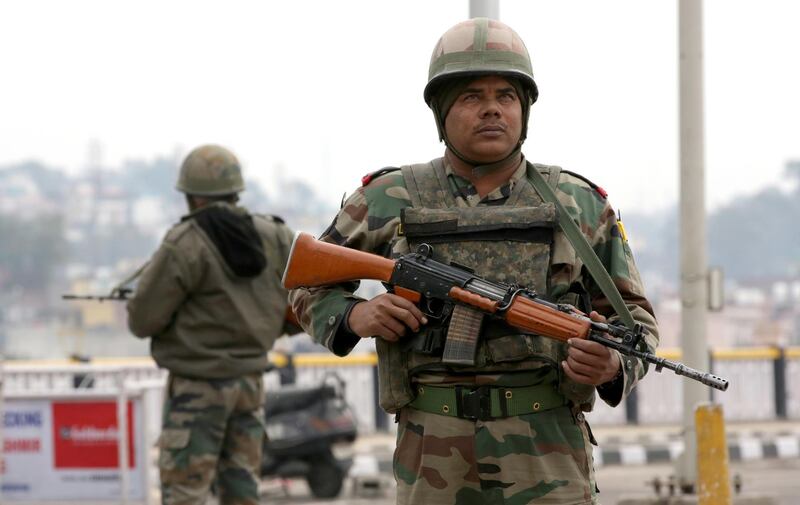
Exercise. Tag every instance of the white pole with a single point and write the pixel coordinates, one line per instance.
(484, 9)
(122, 436)
(693, 225)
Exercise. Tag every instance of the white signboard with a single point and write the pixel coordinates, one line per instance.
(59, 449)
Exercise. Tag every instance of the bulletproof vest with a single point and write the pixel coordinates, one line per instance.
(510, 243)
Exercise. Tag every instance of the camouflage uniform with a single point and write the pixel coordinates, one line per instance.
(213, 308)
(541, 456)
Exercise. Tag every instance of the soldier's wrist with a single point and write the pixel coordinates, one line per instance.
(346, 317)
(609, 384)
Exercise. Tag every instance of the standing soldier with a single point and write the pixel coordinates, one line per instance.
(212, 303)
(509, 428)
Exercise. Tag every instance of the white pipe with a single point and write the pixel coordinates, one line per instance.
(484, 9)
(693, 224)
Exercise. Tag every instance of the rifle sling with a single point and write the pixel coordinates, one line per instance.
(581, 245)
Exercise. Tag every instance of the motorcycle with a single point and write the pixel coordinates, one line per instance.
(302, 424)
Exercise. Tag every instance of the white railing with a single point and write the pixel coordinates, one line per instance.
(751, 396)
(141, 385)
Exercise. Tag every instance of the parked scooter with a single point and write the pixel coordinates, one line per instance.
(302, 424)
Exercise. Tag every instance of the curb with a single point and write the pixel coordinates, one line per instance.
(739, 449)
(613, 451)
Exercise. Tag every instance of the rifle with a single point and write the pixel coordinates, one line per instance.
(118, 295)
(435, 287)
(121, 292)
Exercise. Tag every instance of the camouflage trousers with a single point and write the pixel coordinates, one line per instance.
(541, 458)
(211, 429)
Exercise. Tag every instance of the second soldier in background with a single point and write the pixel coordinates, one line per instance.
(212, 303)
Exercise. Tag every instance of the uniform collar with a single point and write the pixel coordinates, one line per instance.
(464, 190)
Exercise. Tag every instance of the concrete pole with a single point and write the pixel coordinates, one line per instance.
(484, 9)
(692, 225)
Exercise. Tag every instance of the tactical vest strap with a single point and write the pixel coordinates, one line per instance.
(421, 176)
(581, 245)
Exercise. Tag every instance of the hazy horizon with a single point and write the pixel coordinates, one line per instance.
(327, 92)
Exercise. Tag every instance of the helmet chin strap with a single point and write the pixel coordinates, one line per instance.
(479, 169)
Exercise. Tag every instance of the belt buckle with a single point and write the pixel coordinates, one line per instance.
(476, 404)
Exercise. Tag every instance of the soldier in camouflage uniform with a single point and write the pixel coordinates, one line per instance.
(509, 428)
(212, 303)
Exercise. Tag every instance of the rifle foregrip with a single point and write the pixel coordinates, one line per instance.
(541, 320)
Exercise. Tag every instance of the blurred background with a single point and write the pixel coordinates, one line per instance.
(100, 102)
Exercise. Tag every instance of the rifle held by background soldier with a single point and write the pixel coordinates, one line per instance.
(437, 288)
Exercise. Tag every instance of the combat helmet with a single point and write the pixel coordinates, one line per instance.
(210, 170)
(475, 48)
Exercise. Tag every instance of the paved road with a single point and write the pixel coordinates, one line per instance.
(779, 478)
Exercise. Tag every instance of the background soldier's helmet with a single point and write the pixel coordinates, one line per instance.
(210, 170)
(479, 47)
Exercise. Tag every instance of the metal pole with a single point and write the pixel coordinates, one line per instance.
(694, 291)
(484, 9)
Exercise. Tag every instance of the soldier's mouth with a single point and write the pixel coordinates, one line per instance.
(492, 127)
(493, 130)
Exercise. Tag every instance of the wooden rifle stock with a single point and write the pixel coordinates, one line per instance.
(314, 263)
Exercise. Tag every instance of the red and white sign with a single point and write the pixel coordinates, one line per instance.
(85, 435)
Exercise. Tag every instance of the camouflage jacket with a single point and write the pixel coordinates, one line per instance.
(204, 320)
(369, 221)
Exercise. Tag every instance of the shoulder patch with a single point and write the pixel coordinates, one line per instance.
(369, 177)
(600, 191)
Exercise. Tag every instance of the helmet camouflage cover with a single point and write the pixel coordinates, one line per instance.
(476, 47)
(210, 170)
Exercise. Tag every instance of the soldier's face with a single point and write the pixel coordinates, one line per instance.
(485, 122)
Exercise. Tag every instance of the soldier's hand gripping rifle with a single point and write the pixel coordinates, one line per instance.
(435, 286)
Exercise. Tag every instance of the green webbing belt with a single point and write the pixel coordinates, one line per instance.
(582, 247)
(503, 401)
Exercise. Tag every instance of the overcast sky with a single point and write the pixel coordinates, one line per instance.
(328, 91)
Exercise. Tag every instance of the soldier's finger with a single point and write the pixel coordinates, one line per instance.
(575, 375)
(388, 320)
(595, 316)
(405, 317)
(386, 333)
(588, 347)
(413, 310)
(583, 367)
(582, 356)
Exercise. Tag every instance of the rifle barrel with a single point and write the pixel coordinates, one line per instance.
(708, 379)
